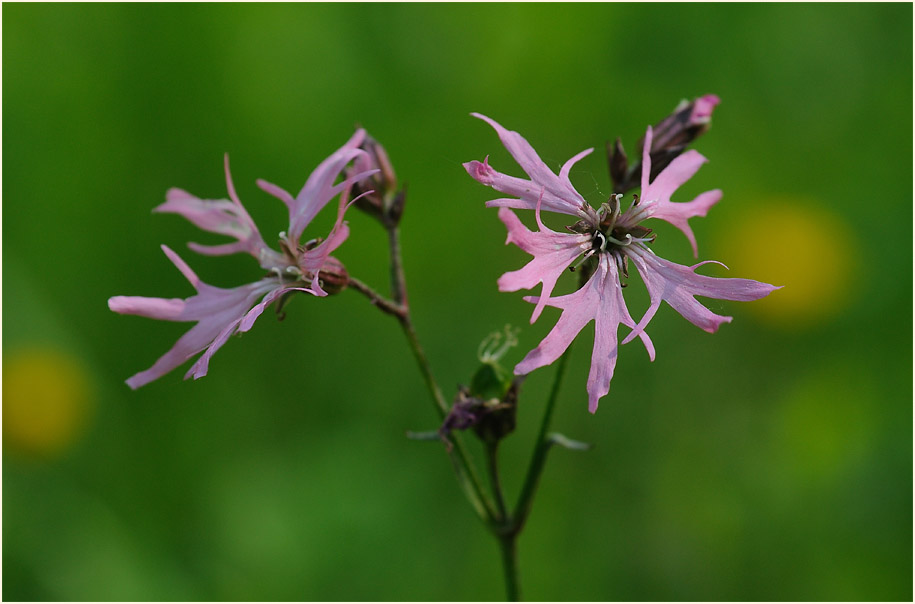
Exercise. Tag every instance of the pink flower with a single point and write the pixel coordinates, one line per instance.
(220, 313)
(608, 239)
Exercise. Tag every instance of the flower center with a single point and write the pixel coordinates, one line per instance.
(608, 236)
(616, 238)
(611, 233)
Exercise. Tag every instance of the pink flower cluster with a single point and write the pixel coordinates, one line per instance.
(220, 313)
(609, 238)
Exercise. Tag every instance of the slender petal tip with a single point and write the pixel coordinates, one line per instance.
(480, 171)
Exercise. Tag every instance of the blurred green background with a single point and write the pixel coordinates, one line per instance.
(771, 461)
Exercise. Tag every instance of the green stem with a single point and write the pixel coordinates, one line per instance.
(407, 325)
(384, 304)
(531, 480)
(399, 290)
(506, 531)
(399, 308)
(492, 459)
(508, 544)
(398, 280)
(467, 475)
(474, 490)
(510, 526)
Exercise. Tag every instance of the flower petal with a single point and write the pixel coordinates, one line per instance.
(319, 189)
(678, 214)
(217, 312)
(313, 259)
(277, 191)
(612, 312)
(678, 285)
(240, 325)
(557, 192)
(600, 299)
(528, 192)
(164, 309)
(219, 216)
(553, 252)
(192, 342)
(247, 322)
(680, 170)
(655, 197)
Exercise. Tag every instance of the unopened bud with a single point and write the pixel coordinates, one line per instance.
(492, 419)
(500, 421)
(688, 121)
(333, 276)
(490, 404)
(670, 137)
(384, 202)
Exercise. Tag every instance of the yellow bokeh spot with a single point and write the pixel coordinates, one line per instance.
(798, 244)
(46, 400)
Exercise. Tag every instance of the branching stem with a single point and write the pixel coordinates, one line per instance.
(504, 525)
(400, 309)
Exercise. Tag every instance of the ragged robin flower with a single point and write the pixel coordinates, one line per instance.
(298, 266)
(606, 240)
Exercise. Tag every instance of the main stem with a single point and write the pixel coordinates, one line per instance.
(504, 525)
(511, 524)
(509, 547)
(504, 530)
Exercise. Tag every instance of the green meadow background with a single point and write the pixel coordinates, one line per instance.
(770, 461)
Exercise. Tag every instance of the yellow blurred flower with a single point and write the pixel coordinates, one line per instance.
(797, 243)
(46, 401)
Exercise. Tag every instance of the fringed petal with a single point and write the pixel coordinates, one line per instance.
(556, 192)
(679, 285)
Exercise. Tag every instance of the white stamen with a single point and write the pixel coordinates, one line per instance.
(616, 210)
(616, 241)
(603, 241)
(581, 260)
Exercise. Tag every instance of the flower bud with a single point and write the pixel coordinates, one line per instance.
(499, 422)
(688, 121)
(491, 419)
(490, 403)
(670, 137)
(385, 202)
(333, 276)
